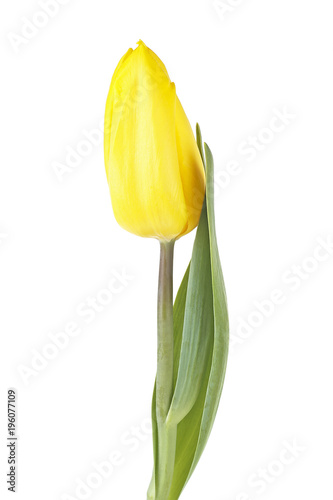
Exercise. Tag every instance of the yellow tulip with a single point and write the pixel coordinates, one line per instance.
(153, 165)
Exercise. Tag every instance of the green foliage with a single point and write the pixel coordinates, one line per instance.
(201, 336)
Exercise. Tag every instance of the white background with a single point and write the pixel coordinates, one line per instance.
(59, 245)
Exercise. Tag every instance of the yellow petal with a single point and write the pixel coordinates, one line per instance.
(191, 168)
(109, 108)
(153, 165)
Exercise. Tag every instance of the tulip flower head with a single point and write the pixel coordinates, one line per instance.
(153, 165)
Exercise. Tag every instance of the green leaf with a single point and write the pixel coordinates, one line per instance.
(178, 321)
(197, 334)
(201, 337)
(201, 359)
(199, 143)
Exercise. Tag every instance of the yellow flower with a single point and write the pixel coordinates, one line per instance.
(153, 165)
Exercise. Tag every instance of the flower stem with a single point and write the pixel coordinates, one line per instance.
(164, 377)
(166, 434)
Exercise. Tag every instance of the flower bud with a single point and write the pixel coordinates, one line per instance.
(153, 165)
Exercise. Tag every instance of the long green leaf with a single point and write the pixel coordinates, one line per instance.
(197, 336)
(178, 321)
(201, 336)
(194, 429)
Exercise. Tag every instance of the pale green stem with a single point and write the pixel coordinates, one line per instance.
(167, 434)
(164, 376)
